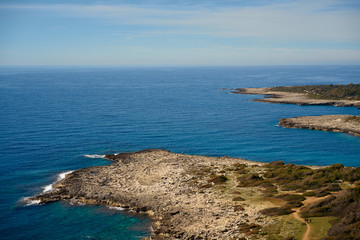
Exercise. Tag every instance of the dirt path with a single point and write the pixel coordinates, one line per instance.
(296, 215)
(306, 235)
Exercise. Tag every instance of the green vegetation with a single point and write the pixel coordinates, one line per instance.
(218, 179)
(300, 178)
(353, 119)
(238, 208)
(276, 211)
(336, 92)
(282, 188)
(346, 207)
(238, 199)
(312, 182)
(320, 226)
(284, 227)
(249, 229)
(250, 180)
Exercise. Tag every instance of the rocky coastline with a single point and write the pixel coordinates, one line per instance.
(200, 197)
(331, 123)
(169, 188)
(293, 98)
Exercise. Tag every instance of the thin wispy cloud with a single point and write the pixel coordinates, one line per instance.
(291, 21)
(287, 30)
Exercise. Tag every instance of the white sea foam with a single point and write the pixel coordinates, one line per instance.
(75, 202)
(29, 202)
(50, 187)
(94, 156)
(117, 208)
(47, 188)
(62, 175)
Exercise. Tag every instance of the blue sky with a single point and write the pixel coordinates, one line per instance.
(182, 32)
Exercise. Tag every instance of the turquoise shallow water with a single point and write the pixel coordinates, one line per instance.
(52, 116)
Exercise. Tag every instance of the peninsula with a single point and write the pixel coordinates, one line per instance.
(200, 197)
(336, 95)
(331, 123)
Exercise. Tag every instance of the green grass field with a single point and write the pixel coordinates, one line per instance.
(319, 227)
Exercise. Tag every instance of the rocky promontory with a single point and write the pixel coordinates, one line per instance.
(314, 95)
(200, 197)
(332, 123)
(277, 96)
(174, 189)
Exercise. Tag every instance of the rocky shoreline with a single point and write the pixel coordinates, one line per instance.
(200, 197)
(166, 186)
(187, 196)
(331, 123)
(293, 98)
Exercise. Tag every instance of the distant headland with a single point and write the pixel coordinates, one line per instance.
(330, 123)
(336, 95)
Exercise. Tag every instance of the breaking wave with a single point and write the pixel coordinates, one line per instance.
(27, 201)
(94, 156)
(116, 208)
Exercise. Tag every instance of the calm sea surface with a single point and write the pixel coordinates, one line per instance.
(51, 117)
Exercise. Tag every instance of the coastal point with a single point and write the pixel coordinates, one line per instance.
(335, 95)
(200, 197)
(297, 95)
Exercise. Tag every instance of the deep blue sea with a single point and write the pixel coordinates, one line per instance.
(51, 117)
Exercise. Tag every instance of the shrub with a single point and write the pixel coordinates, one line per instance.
(353, 119)
(300, 178)
(250, 180)
(238, 208)
(248, 229)
(291, 197)
(350, 91)
(293, 204)
(238, 199)
(276, 211)
(322, 193)
(334, 187)
(269, 192)
(218, 179)
(240, 168)
(309, 194)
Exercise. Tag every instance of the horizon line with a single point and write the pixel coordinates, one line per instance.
(173, 65)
